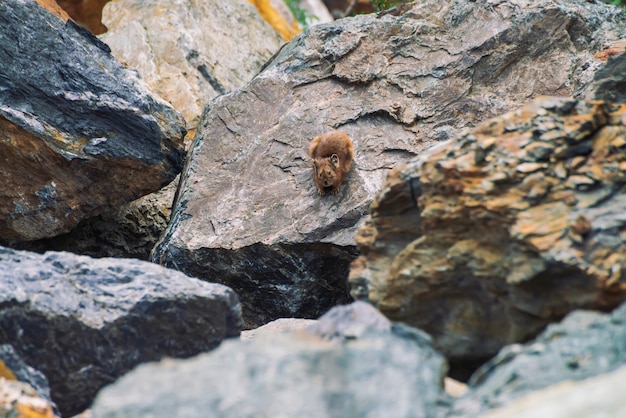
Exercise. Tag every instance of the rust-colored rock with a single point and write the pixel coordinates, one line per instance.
(485, 239)
(86, 12)
(18, 399)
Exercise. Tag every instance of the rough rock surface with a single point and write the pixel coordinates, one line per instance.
(377, 374)
(583, 345)
(598, 397)
(19, 399)
(12, 367)
(83, 322)
(396, 85)
(472, 240)
(79, 133)
(128, 231)
(190, 52)
(610, 81)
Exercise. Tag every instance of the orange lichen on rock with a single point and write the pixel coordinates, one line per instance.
(488, 228)
(614, 48)
(18, 399)
(281, 20)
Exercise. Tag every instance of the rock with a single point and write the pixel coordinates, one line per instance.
(281, 325)
(393, 373)
(595, 397)
(472, 240)
(128, 231)
(396, 85)
(609, 81)
(168, 43)
(583, 345)
(89, 134)
(12, 367)
(85, 12)
(19, 399)
(84, 322)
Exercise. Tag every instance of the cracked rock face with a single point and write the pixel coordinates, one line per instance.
(79, 133)
(248, 214)
(485, 239)
(84, 322)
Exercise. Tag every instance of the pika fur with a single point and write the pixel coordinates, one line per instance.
(331, 155)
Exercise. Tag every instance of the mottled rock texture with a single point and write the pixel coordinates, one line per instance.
(189, 52)
(78, 132)
(248, 214)
(19, 399)
(594, 397)
(583, 345)
(127, 231)
(393, 373)
(84, 322)
(12, 367)
(485, 239)
(610, 81)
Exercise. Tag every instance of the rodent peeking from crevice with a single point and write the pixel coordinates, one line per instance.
(331, 155)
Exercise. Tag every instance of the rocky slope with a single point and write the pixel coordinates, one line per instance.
(248, 214)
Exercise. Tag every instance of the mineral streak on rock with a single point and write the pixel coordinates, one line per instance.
(79, 133)
(472, 240)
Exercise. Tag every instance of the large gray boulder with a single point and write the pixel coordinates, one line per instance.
(248, 214)
(585, 344)
(79, 133)
(84, 322)
(374, 372)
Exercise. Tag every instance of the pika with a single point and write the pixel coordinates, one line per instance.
(331, 155)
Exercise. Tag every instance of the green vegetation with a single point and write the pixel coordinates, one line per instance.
(303, 16)
(387, 4)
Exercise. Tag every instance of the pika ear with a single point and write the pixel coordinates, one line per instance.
(334, 159)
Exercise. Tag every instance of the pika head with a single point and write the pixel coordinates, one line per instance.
(331, 156)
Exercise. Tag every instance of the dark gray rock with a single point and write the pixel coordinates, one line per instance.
(396, 83)
(610, 82)
(387, 374)
(584, 344)
(24, 373)
(80, 132)
(84, 322)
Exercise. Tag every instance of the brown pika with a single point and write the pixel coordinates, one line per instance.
(331, 154)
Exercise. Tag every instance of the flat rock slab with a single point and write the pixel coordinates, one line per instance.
(79, 133)
(484, 240)
(84, 322)
(585, 344)
(393, 373)
(248, 214)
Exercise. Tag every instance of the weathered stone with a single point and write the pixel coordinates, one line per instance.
(128, 231)
(281, 325)
(248, 214)
(609, 82)
(12, 367)
(393, 373)
(19, 399)
(474, 251)
(189, 52)
(78, 132)
(84, 322)
(583, 345)
(594, 397)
